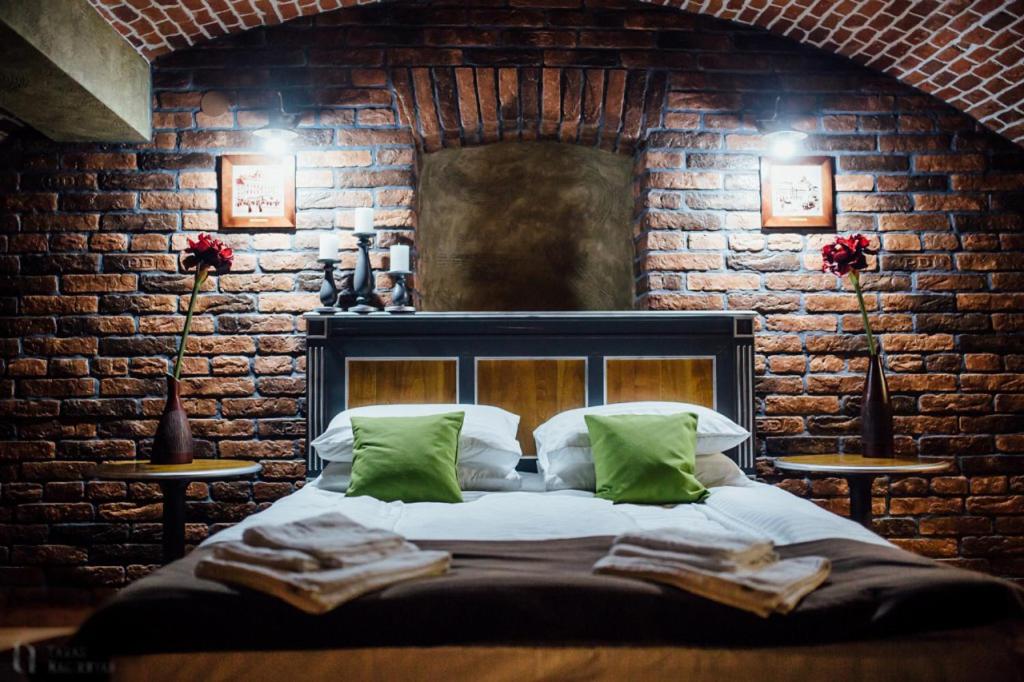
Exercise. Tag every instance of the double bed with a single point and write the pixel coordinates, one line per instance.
(520, 601)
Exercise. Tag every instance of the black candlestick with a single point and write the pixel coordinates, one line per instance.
(401, 296)
(362, 279)
(328, 289)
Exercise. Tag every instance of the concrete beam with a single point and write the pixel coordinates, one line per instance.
(67, 73)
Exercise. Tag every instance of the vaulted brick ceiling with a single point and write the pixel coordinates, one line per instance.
(967, 53)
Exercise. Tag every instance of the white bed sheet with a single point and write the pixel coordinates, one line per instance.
(748, 506)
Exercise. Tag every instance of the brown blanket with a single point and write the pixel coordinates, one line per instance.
(543, 593)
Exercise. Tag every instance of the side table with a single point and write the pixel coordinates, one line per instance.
(859, 473)
(173, 480)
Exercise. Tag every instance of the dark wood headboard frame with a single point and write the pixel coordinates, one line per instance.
(726, 337)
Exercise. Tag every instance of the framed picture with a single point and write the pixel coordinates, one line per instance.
(257, 191)
(797, 192)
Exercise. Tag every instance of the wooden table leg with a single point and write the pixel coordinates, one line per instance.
(860, 499)
(174, 519)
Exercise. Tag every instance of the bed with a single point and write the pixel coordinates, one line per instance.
(520, 601)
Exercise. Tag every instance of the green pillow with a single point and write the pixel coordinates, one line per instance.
(645, 458)
(412, 459)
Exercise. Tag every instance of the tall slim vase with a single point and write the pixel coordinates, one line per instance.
(876, 412)
(173, 442)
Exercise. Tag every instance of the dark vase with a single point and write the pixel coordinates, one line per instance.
(173, 442)
(876, 412)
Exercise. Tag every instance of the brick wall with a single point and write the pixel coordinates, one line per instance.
(90, 286)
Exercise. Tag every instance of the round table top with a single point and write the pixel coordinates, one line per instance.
(196, 470)
(857, 464)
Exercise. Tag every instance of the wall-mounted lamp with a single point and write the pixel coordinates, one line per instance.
(276, 137)
(784, 143)
(275, 140)
(778, 131)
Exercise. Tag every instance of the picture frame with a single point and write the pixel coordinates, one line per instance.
(257, 191)
(798, 192)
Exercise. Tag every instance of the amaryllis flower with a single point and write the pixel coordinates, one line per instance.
(846, 254)
(204, 254)
(207, 252)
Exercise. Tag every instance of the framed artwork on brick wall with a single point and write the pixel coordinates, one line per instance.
(797, 192)
(257, 191)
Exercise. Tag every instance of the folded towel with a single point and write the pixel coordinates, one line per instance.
(333, 539)
(776, 588)
(281, 559)
(320, 591)
(705, 562)
(744, 551)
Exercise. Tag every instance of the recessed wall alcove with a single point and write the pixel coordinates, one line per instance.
(525, 226)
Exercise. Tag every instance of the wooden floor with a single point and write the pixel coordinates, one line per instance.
(25, 625)
(12, 637)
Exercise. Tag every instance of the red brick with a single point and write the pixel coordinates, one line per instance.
(801, 405)
(950, 202)
(683, 261)
(722, 282)
(931, 548)
(874, 202)
(987, 261)
(931, 163)
(177, 200)
(99, 161)
(1006, 504)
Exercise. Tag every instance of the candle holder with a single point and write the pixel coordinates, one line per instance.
(362, 278)
(401, 295)
(328, 289)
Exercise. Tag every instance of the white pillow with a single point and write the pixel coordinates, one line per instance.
(337, 475)
(563, 443)
(711, 470)
(717, 470)
(472, 477)
(488, 436)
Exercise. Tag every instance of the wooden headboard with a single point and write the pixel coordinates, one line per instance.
(532, 364)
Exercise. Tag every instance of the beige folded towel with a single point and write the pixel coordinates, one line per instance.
(320, 591)
(744, 551)
(281, 559)
(776, 588)
(333, 539)
(705, 562)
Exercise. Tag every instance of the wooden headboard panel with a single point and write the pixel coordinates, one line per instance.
(533, 364)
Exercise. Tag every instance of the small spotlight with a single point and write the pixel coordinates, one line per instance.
(784, 144)
(275, 140)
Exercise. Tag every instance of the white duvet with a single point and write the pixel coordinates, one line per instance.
(748, 506)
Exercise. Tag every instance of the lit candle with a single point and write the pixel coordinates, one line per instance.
(364, 221)
(328, 246)
(400, 258)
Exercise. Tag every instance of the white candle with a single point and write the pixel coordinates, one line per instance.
(364, 221)
(328, 246)
(400, 258)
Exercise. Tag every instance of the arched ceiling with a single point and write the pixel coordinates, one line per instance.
(969, 53)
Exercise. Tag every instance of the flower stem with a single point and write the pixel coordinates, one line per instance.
(855, 278)
(200, 278)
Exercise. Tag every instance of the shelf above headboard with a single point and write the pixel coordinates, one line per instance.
(532, 364)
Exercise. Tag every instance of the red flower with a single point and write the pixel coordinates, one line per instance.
(209, 253)
(846, 254)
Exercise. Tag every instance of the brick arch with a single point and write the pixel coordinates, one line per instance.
(969, 54)
(607, 108)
